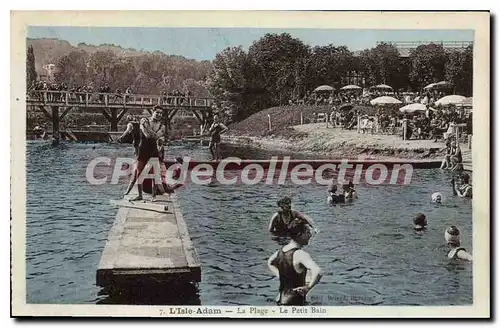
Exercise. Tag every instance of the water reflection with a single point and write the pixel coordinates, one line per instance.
(152, 294)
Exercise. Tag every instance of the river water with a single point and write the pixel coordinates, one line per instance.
(367, 249)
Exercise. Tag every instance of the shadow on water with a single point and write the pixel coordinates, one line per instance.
(151, 294)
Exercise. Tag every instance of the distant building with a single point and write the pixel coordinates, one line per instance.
(50, 68)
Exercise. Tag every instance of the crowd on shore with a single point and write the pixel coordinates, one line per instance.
(360, 97)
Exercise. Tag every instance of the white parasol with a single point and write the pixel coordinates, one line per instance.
(412, 108)
(450, 100)
(350, 87)
(324, 88)
(385, 100)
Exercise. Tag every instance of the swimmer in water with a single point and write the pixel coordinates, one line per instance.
(290, 265)
(464, 190)
(282, 219)
(333, 198)
(437, 198)
(452, 237)
(420, 222)
(349, 192)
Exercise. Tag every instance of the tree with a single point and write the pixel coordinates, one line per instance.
(72, 68)
(382, 64)
(276, 58)
(329, 65)
(459, 70)
(100, 65)
(228, 81)
(30, 67)
(428, 64)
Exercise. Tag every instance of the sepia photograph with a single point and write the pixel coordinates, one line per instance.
(242, 170)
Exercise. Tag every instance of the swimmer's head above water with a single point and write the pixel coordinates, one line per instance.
(300, 232)
(452, 236)
(285, 203)
(437, 197)
(420, 222)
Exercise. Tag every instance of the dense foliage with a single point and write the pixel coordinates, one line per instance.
(276, 69)
(30, 67)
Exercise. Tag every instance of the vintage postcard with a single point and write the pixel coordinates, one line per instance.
(250, 164)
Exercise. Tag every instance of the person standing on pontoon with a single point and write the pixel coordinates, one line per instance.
(215, 131)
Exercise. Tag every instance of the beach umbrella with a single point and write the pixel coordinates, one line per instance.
(412, 108)
(450, 100)
(324, 88)
(467, 102)
(385, 100)
(382, 86)
(439, 85)
(351, 87)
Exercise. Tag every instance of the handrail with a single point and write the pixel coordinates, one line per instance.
(67, 97)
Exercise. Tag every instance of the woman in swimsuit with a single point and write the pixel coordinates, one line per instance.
(465, 189)
(282, 219)
(452, 237)
(146, 150)
(291, 263)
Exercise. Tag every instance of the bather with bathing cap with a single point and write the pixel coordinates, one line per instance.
(452, 235)
(437, 197)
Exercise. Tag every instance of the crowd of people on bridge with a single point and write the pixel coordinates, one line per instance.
(78, 93)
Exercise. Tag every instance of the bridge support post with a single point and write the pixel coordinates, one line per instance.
(55, 125)
(114, 119)
(166, 122)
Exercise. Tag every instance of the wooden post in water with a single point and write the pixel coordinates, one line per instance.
(359, 123)
(165, 122)
(55, 125)
(269, 121)
(114, 120)
(301, 118)
(405, 124)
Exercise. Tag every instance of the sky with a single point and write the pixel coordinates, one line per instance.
(205, 43)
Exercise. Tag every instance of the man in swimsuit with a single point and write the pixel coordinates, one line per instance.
(215, 131)
(452, 237)
(147, 149)
(156, 122)
(445, 164)
(349, 192)
(456, 157)
(290, 265)
(333, 198)
(132, 132)
(465, 189)
(282, 219)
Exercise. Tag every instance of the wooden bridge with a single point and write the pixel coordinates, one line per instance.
(55, 105)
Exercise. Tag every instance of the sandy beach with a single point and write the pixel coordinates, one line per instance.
(330, 142)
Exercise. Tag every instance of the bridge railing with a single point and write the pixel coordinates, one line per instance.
(96, 98)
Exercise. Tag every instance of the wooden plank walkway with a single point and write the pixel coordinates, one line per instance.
(466, 158)
(148, 243)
